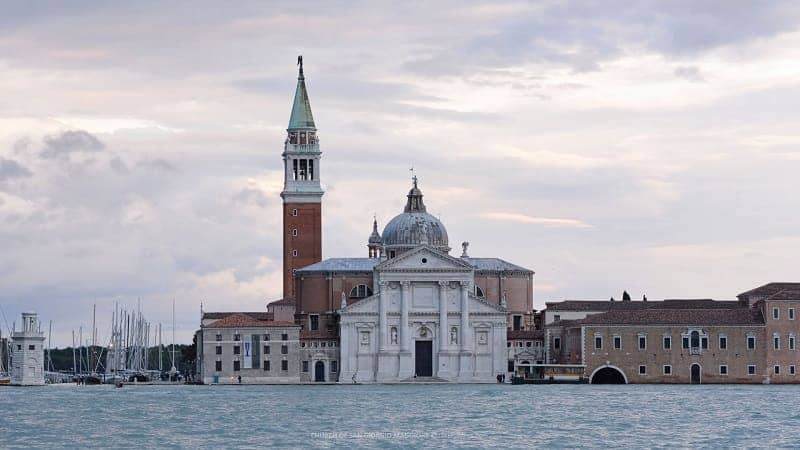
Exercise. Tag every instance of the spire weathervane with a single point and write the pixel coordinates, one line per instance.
(300, 63)
(413, 176)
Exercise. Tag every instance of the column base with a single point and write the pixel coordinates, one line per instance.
(406, 365)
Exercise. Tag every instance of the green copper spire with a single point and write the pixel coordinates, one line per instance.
(301, 109)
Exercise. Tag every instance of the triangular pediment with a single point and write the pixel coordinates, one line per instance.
(366, 305)
(478, 305)
(424, 257)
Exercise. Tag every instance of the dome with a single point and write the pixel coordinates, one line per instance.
(374, 238)
(414, 227)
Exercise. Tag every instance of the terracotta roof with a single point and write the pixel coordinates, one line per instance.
(524, 334)
(282, 302)
(788, 294)
(260, 315)
(737, 316)
(593, 305)
(618, 305)
(770, 289)
(238, 320)
(319, 334)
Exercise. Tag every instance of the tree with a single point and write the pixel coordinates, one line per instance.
(625, 296)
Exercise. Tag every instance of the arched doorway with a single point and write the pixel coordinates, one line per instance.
(608, 375)
(696, 374)
(319, 371)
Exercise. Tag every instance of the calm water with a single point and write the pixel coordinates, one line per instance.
(400, 416)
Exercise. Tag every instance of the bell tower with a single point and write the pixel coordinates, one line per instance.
(302, 191)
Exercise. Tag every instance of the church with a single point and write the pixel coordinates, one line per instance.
(408, 311)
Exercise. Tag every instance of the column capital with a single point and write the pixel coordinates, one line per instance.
(443, 284)
(383, 283)
(405, 284)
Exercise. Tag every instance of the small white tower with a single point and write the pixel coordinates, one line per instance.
(27, 353)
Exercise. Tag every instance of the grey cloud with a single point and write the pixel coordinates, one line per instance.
(253, 196)
(691, 73)
(68, 142)
(118, 165)
(12, 169)
(158, 164)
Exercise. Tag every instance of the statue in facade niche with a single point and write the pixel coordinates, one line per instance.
(344, 300)
(453, 336)
(394, 335)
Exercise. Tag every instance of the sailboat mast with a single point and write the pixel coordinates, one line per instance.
(74, 366)
(173, 333)
(80, 348)
(49, 338)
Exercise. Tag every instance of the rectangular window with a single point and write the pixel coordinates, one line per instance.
(642, 370)
(791, 313)
(777, 370)
(556, 317)
(284, 349)
(776, 343)
(237, 337)
(723, 342)
(335, 366)
(219, 349)
(642, 342)
(776, 313)
(294, 169)
(751, 342)
(791, 370)
(310, 169)
(527, 343)
(266, 366)
(667, 370)
(751, 370)
(305, 366)
(236, 349)
(685, 342)
(218, 337)
(617, 342)
(517, 323)
(598, 342)
(723, 370)
(557, 343)
(218, 366)
(792, 344)
(510, 367)
(284, 337)
(284, 365)
(314, 322)
(704, 342)
(32, 347)
(237, 366)
(667, 342)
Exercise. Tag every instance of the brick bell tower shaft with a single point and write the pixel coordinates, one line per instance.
(302, 191)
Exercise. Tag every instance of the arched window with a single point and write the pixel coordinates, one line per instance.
(360, 291)
(294, 232)
(478, 291)
(695, 336)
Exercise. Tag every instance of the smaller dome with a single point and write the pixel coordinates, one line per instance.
(375, 237)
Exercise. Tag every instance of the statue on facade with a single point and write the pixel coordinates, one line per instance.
(344, 300)
(394, 335)
(453, 335)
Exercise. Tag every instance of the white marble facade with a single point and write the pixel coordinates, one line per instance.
(423, 321)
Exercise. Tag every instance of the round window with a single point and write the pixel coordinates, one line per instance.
(424, 260)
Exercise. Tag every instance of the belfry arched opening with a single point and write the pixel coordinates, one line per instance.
(608, 375)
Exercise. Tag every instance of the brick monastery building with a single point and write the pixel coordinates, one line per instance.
(410, 311)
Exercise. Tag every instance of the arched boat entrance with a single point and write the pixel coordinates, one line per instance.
(608, 375)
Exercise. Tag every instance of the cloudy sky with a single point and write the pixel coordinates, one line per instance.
(647, 146)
